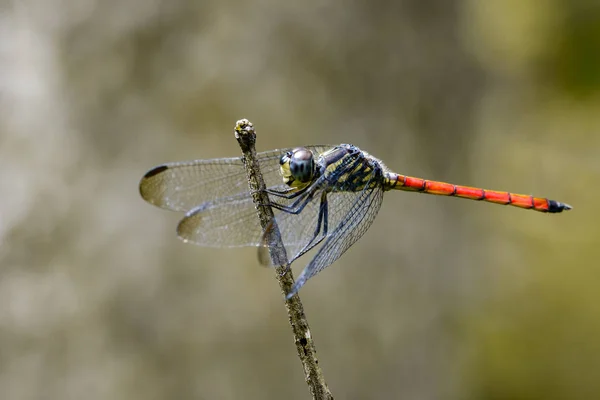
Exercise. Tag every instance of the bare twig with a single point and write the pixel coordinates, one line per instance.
(246, 137)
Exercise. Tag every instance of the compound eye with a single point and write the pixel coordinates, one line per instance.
(302, 164)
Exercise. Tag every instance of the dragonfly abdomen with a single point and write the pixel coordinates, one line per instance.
(402, 182)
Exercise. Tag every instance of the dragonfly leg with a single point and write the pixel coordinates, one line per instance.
(322, 226)
(281, 194)
(276, 191)
(321, 222)
(287, 194)
(297, 206)
(268, 235)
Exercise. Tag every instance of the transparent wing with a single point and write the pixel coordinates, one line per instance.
(227, 222)
(183, 186)
(353, 224)
(232, 222)
(298, 231)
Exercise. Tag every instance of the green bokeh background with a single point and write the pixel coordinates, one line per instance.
(441, 299)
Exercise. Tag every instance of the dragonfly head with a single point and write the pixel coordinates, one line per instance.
(297, 167)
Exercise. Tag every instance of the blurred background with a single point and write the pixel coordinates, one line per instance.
(441, 299)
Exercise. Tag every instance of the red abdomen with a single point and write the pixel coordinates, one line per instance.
(402, 182)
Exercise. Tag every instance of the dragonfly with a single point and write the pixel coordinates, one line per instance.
(323, 197)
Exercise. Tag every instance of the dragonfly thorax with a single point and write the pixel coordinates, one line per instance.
(297, 167)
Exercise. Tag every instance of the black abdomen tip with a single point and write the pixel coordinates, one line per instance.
(556, 206)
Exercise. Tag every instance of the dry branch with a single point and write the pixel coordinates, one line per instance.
(246, 137)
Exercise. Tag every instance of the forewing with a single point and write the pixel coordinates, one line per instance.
(182, 186)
